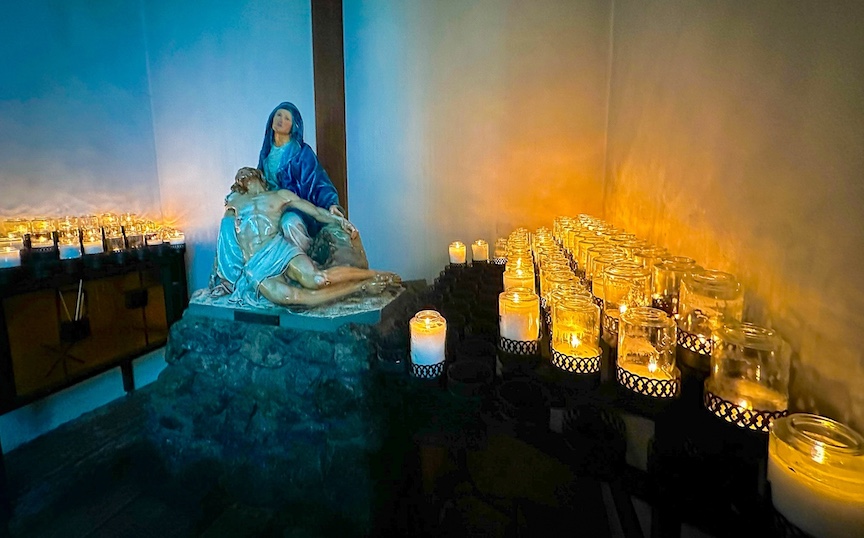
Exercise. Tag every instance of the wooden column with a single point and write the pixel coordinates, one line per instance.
(329, 68)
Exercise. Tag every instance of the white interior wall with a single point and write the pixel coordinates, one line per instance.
(468, 119)
(216, 73)
(735, 136)
(76, 135)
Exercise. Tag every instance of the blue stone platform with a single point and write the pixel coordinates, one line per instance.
(359, 309)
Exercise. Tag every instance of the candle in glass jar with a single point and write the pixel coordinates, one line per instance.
(428, 337)
(69, 251)
(9, 257)
(519, 314)
(457, 252)
(480, 251)
(518, 278)
(576, 327)
(177, 238)
(93, 246)
(816, 471)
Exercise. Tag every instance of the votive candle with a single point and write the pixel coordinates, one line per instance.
(457, 252)
(10, 257)
(480, 251)
(518, 278)
(519, 314)
(816, 471)
(428, 337)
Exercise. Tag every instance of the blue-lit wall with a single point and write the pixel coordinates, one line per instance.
(145, 106)
(76, 130)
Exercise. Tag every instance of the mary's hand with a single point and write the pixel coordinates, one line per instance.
(336, 210)
(348, 227)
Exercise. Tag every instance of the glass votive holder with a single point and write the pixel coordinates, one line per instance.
(626, 284)
(816, 472)
(666, 281)
(457, 253)
(500, 252)
(113, 229)
(646, 353)
(584, 244)
(479, 251)
(10, 252)
(519, 319)
(133, 230)
(649, 255)
(16, 228)
(520, 277)
(749, 381)
(428, 330)
(68, 238)
(595, 269)
(708, 298)
(91, 240)
(554, 275)
(42, 233)
(576, 335)
(569, 290)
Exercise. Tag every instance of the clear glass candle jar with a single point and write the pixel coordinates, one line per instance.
(648, 256)
(480, 251)
(68, 238)
(576, 327)
(816, 471)
(708, 299)
(518, 277)
(666, 281)
(133, 230)
(585, 243)
(646, 350)
(519, 315)
(556, 272)
(10, 252)
(749, 381)
(595, 270)
(572, 289)
(42, 232)
(627, 284)
(457, 252)
(501, 248)
(428, 330)
(113, 229)
(603, 249)
(16, 228)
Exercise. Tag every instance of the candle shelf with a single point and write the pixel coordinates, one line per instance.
(700, 470)
(469, 378)
(65, 321)
(731, 412)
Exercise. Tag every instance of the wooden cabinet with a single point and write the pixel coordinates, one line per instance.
(62, 322)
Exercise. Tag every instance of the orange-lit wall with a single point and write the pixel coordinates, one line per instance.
(468, 119)
(736, 137)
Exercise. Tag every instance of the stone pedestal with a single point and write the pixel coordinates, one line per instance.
(280, 416)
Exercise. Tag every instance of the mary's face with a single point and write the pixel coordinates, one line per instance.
(282, 122)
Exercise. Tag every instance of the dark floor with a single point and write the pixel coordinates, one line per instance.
(93, 477)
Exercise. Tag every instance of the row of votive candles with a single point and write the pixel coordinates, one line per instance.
(81, 235)
(458, 252)
(817, 471)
